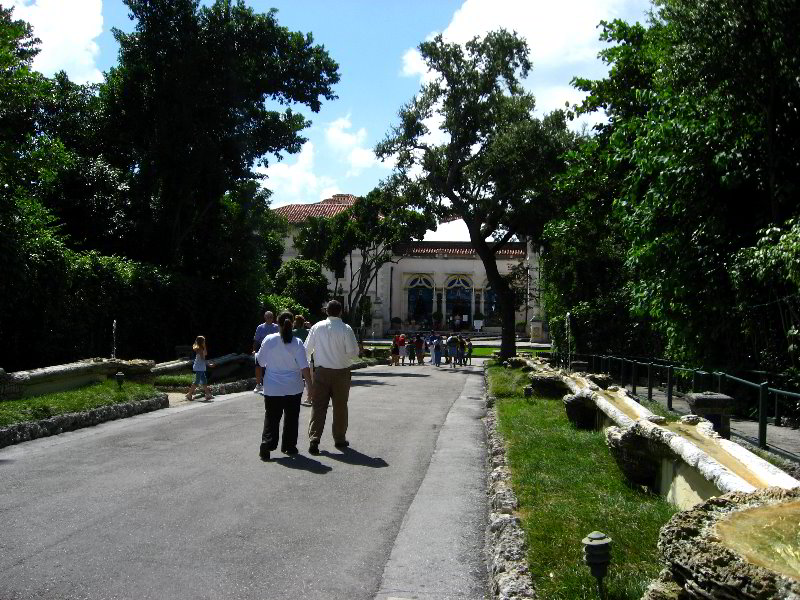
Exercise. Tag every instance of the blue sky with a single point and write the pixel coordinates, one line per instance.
(374, 43)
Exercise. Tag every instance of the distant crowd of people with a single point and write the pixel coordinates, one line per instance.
(455, 350)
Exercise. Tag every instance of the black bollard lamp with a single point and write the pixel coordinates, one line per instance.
(120, 377)
(597, 556)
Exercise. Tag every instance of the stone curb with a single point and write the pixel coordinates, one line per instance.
(506, 548)
(23, 432)
(217, 389)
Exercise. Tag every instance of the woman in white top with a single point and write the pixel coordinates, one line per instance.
(283, 357)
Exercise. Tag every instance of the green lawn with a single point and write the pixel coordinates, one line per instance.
(568, 485)
(82, 399)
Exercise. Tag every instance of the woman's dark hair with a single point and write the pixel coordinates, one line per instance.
(285, 322)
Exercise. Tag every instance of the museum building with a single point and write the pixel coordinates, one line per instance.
(430, 281)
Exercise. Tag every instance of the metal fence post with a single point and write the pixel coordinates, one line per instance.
(649, 381)
(763, 392)
(777, 411)
(694, 380)
(633, 376)
(670, 379)
(721, 383)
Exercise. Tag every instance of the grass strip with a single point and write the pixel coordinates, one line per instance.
(568, 485)
(79, 400)
(183, 380)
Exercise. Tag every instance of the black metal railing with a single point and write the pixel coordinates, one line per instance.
(625, 370)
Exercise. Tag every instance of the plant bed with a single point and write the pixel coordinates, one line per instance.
(568, 485)
(50, 414)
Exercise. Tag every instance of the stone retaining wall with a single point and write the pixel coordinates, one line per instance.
(506, 549)
(23, 432)
(59, 378)
(217, 389)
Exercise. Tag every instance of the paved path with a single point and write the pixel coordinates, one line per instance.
(176, 504)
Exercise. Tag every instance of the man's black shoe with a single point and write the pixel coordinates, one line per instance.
(263, 452)
(343, 444)
(289, 451)
(313, 448)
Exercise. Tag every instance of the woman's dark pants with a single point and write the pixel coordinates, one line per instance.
(274, 408)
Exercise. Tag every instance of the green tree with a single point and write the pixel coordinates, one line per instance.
(191, 111)
(697, 155)
(304, 281)
(495, 169)
(366, 234)
(331, 256)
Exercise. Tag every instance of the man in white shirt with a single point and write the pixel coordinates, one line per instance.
(333, 346)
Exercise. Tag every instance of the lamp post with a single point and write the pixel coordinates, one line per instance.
(597, 556)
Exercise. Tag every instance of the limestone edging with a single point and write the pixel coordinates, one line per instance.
(506, 548)
(23, 432)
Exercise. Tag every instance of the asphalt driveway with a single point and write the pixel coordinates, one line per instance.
(177, 504)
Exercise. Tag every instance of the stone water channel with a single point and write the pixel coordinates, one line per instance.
(738, 532)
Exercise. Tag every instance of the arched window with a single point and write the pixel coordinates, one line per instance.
(420, 281)
(420, 298)
(459, 300)
(459, 281)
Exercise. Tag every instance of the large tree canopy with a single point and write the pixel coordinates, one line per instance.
(690, 178)
(360, 240)
(137, 200)
(496, 166)
(193, 107)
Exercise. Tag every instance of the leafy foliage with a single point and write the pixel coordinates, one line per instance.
(186, 150)
(656, 246)
(137, 201)
(304, 281)
(496, 166)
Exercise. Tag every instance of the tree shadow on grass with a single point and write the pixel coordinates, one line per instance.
(354, 457)
(302, 463)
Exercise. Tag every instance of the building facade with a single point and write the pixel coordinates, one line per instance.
(430, 283)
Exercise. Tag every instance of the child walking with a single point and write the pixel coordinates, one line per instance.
(199, 368)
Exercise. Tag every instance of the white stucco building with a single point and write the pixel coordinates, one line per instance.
(430, 277)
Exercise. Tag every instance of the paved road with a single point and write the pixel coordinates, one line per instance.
(176, 504)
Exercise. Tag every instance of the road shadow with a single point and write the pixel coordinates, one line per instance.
(354, 457)
(302, 463)
(396, 374)
(358, 382)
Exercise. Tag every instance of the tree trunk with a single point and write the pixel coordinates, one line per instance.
(505, 295)
(508, 340)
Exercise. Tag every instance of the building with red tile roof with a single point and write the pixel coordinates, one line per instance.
(297, 213)
(429, 282)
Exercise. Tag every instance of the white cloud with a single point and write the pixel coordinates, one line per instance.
(297, 182)
(341, 139)
(562, 37)
(67, 30)
(328, 192)
(350, 147)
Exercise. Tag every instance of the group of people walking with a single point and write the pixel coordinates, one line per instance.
(455, 350)
(283, 362)
(284, 354)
